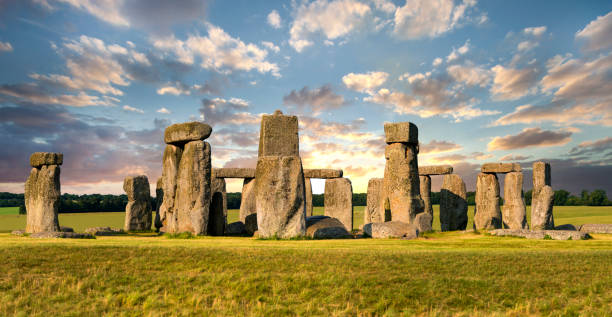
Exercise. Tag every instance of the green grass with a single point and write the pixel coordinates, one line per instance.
(9, 210)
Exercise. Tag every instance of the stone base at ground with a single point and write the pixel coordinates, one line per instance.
(596, 228)
(104, 231)
(18, 233)
(63, 235)
(323, 227)
(391, 229)
(566, 227)
(235, 229)
(423, 222)
(541, 234)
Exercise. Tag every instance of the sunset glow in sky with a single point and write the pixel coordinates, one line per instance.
(484, 81)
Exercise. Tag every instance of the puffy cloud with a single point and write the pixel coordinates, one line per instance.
(530, 137)
(132, 109)
(163, 110)
(514, 157)
(364, 82)
(34, 94)
(529, 38)
(271, 46)
(470, 74)
(456, 52)
(601, 146)
(274, 19)
(333, 19)
(221, 111)
(385, 6)
(6, 47)
(535, 31)
(437, 61)
(429, 18)
(597, 35)
(511, 83)
(322, 98)
(436, 147)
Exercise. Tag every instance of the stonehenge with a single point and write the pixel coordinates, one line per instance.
(513, 212)
(542, 198)
(339, 201)
(453, 203)
(487, 213)
(217, 218)
(375, 211)
(138, 210)
(42, 192)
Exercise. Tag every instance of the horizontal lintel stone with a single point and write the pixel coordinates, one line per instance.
(39, 159)
(322, 173)
(233, 172)
(435, 170)
(500, 167)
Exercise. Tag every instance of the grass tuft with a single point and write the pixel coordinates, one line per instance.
(180, 235)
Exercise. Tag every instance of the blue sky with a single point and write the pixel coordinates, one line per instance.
(484, 81)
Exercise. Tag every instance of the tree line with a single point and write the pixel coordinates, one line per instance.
(71, 203)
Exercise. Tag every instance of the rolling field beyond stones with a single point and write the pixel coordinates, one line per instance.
(576, 215)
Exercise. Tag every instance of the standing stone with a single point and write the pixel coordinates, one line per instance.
(308, 185)
(374, 211)
(280, 197)
(218, 207)
(42, 193)
(159, 198)
(170, 165)
(401, 182)
(542, 198)
(279, 135)
(423, 222)
(339, 201)
(487, 214)
(425, 182)
(138, 208)
(248, 207)
(513, 211)
(453, 203)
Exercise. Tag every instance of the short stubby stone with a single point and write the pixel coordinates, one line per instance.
(487, 213)
(375, 211)
(39, 159)
(137, 187)
(42, 199)
(279, 135)
(596, 228)
(542, 208)
(138, 210)
(423, 222)
(248, 206)
(235, 229)
(542, 234)
(217, 218)
(401, 187)
(339, 201)
(104, 231)
(425, 183)
(453, 203)
(391, 229)
(322, 173)
(541, 174)
(323, 227)
(234, 172)
(513, 211)
(567, 226)
(401, 132)
(182, 133)
(500, 167)
(435, 170)
(62, 235)
(280, 197)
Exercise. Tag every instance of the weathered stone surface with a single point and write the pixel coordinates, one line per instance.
(308, 186)
(190, 212)
(453, 203)
(500, 167)
(235, 229)
(279, 135)
(596, 228)
(323, 227)
(542, 234)
(66, 229)
(513, 210)
(159, 199)
(374, 211)
(401, 187)
(401, 132)
(104, 231)
(181, 133)
(59, 234)
(425, 183)
(248, 206)
(542, 208)
(322, 173)
(280, 202)
(42, 199)
(541, 175)
(234, 172)
(423, 222)
(218, 207)
(390, 229)
(567, 226)
(170, 165)
(339, 201)
(138, 209)
(487, 213)
(435, 170)
(39, 159)
(19, 233)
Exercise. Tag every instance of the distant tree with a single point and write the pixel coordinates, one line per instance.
(560, 198)
(359, 199)
(597, 198)
(22, 210)
(584, 196)
(573, 201)
(233, 200)
(528, 196)
(318, 200)
(471, 198)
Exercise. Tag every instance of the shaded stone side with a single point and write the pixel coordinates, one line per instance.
(425, 183)
(159, 198)
(487, 213)
(374, 211)
(339, 201)
(308, 185)
(513, 210)
(248, 206)
(42, 199)
(280, 196)
(217, 219)
(138, 209)
(542, 198)
(170, 165)
(453, 203)
(401, 182)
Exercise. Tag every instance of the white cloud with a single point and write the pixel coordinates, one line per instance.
(437, 61)
(385, 6)
(171, 89)
(510, 83)
(6, 47)
(274, 19)
(470, 74)
(32, 93)
(536, 31)
(333, 19)
(456, 52)
(597, 34)
(132, 109)
(411, 78)
(429, 18)
(364, 82)
(163, 110)
(271, 46)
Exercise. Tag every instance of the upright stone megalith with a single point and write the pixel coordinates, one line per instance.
(217, 219)
(159, 199)
(248, 208)
(513, 211)
(42, 192)
(138, 209)
(487, 214)
(186, 174)
(279, 179)
(542, 198)
(401, 185)
(425, 183)
(308, 185)
(339, 201)
(374, 211)
(453, 203)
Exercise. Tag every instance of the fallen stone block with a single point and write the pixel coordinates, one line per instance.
(323, 227)
(542, 234)
(566, 227)
(104, 231)
(235, 229)
(596, 228)
(62, 235)
(391, 229)
(423, 222)
(19, 233)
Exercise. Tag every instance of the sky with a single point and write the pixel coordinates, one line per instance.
(484, 81)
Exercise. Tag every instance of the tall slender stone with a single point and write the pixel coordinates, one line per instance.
(308, 185)
(339, 201)
(401, 182)
(138, 209)
(42, 193)
(542, 198)
(453, 203)
(425, 183)
(374, 211)
(513, 211)
(217, 220)
(170, 165)
(159, 198)
(487, 214)
(248, 207)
